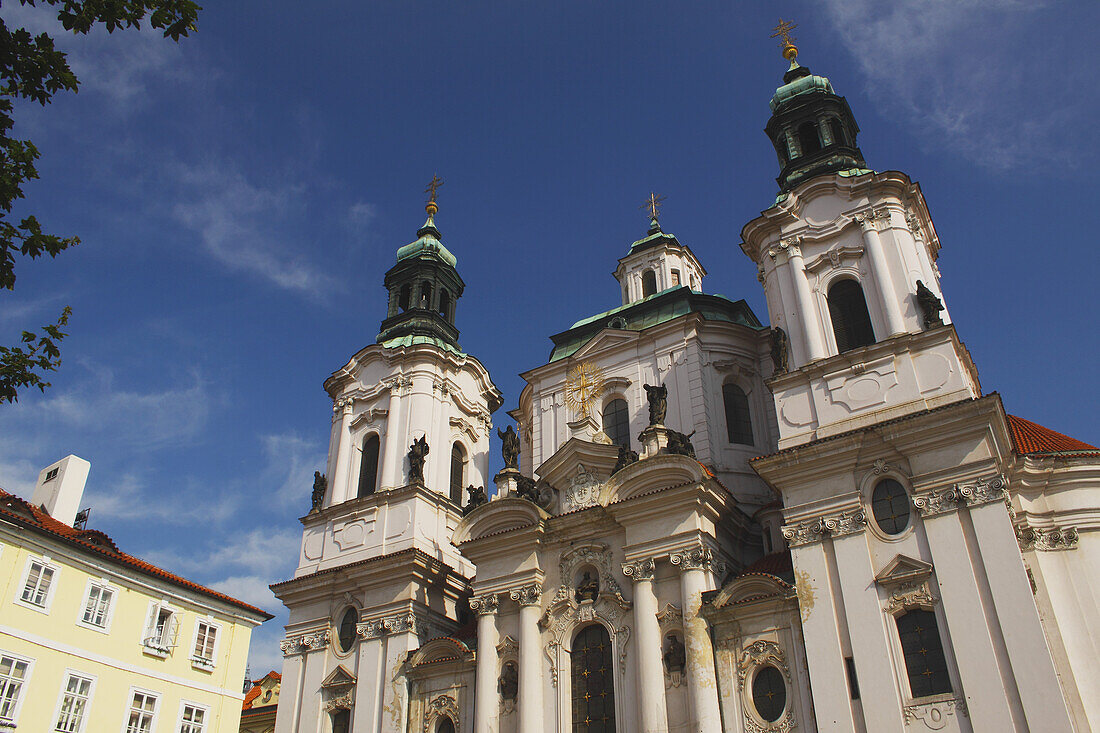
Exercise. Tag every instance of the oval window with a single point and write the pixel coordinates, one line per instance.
(890, 505)
(769, 693)
(346, 634)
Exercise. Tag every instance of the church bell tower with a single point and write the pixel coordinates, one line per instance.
(377, 574)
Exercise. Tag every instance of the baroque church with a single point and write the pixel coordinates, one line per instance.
(705, 522)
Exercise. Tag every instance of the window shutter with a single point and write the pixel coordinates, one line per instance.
(172, 632)
(151, 623)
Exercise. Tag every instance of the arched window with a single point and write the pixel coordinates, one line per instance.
(769, 693)
(346, 633)
(368, 466)
(738, 419)
(781, 148)
(808, 138)
(649, 283)
(591, 668)
(890, 505)
(404, 300)
(444, 302)
(848, 312)
(341, 721)
(616, 422)
(923, 651)
(838, 132)
(446, 725)
(425, 295)
(458, 472)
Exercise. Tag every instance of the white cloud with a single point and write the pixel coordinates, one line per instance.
(970, 74)
(238, 222)
(291, 461)
(361, 214)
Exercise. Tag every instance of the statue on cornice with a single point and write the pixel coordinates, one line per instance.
(320, 486)
(509, 448)
(626, 457)
(658, 403)
(680, 444)
(418, 451)
(779, 351)
(477, 498)
(930, 306)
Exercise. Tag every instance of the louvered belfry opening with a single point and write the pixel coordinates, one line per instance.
(592, 668)
(848, 312)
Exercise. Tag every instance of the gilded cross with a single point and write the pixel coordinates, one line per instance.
(653, 203)
(432, 187)
(783, 30)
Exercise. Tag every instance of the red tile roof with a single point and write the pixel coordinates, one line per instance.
(21, 512)
(255, 691)
(777, 564)
(1030, 438)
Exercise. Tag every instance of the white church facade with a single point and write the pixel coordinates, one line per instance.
(705, 522)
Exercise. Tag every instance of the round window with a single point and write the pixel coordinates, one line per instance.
(890, 505)
(769, 693)
(346, 633)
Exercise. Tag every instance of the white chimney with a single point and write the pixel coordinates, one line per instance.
(60, 487)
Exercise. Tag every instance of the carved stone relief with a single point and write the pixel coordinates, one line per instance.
(934, 715)
(583, 491)
(442, 706)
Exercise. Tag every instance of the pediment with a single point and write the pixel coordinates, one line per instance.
(903, 569)
(577, 457)
(608, 338)
(498, 515)
(650, 474)
(439, 649)
(339, 677)
(746, 588)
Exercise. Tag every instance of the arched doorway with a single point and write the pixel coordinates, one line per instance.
(592, 667)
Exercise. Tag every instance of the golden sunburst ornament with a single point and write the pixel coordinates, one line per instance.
(583, 385)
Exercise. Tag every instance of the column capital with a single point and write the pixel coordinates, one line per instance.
(698, 557)
(1047, 538)
(343, 405)
(941, 501)
(305, 643)
(866, 219)
(817, 529)
(485, 604)
(379, 627)
(639, 569)
(527, 595)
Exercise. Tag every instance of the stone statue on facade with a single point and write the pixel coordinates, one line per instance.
(589, 588)
(626, 457)
(477, 498)
(509, 682)
(538, 494)
(930, 306)
(658, 403)
(779, 351)
(509, 447)
(675, 657)
(418, 451)
(320, 486)
(680, 444)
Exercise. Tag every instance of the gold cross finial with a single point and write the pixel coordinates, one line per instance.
(653, 203)
(783, 31)
(433, 186)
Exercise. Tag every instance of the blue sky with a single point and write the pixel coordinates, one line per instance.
(240, 195)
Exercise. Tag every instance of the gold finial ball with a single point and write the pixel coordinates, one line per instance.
(431, 208)
(790, 51)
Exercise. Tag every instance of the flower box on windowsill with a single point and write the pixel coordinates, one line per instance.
(155, 650)
(206, 665)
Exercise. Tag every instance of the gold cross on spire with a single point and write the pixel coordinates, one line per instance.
(436, 182)
(653, 203)
(783, 31)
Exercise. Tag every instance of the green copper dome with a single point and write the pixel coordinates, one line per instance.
(802, 84)
(428, 243)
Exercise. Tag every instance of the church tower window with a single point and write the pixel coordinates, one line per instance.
(444, 303)
(837, 130)
(769, 693)
(405, 299)
(458, 472)
(341, 721)
(616, 422)
(808, 138)
(848, 312)
(923, 651)
(368, 466)
(346, 633)
(591, 667)
(649, 283)
(890, 505)
(446, 726)
(425, 295)
(738, 418)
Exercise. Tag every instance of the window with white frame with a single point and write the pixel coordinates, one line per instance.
(36, 588)
(73, 709)
(161, 629)
(206, 638)
(97, 606)
(192, 719)
(142, 712)
(13, 675)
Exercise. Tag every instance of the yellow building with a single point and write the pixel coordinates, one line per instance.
(93, 639)
(260, 704)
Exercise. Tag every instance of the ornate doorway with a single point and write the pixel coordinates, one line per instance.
(591, 670)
